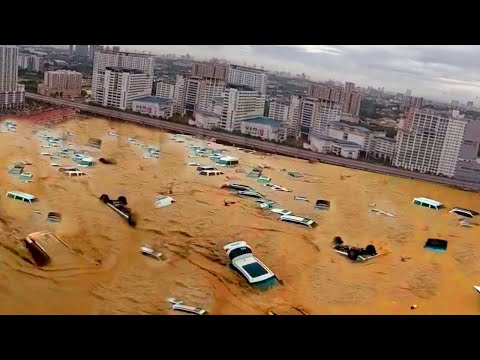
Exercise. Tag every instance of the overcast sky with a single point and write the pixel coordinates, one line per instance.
(444, 72)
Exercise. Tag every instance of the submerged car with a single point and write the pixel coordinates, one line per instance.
(120, 207)
(180, 306)
(299, 220)
(280, 211)
(239, 187)
(466, 213)
(39, 254)
(250, 193)
(352, 252)
(148, 251)
(276, 187)
(252, 269)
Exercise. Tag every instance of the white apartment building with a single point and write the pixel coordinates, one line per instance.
(12, 95)
(265, 128)
(122, 86)
(179, 94)
(31, 62)
(64, 82)
(239, 104)
(430, 143)
(279, 110)
(253, 78)
(210, 89)
(165, 90)
(382, 147)
(139, 63)
(192, 92)
(347, 132)
(316, 114)
(294, 115)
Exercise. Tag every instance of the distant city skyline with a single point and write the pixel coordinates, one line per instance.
(438, 72)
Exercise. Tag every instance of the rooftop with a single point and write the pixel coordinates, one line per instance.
(154, 100)
(360, 128)
(240, 87)
(255, 70)
(208, 113)
(120, 69)
(264, 121)
(337, 141)
(384, 138)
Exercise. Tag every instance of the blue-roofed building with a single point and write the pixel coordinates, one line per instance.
(328, 145)
(265, 128)
(154, 106)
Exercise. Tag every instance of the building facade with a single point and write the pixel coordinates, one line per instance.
(209, 70)
(92, 50)
(294, 115)
(153, 106)
(254, 78)
(348, 97)
(352, 133)
(265, 128)
(430, 143)
(179, 94)
(468, 166)
(382, 147)
(279, 110)
(327, 145)
(12, 95)
(134, 71)
(239, 104)
(65, 83)
(165, 90)
(31, 62)
(316, 114)
(413, 102)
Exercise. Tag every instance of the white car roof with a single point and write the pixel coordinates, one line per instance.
(297, 219)
(234, 245)
(245, 262)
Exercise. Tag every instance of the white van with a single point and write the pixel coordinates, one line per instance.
(299, 220)
(17, 195)
(210, 172)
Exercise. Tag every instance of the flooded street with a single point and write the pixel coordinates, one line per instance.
(113, 277)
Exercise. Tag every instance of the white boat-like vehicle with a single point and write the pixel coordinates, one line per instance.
(252, 269)
(180, 306)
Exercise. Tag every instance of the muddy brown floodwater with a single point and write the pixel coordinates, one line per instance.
(114, 278)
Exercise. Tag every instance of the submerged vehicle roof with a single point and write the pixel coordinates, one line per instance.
(22, 194)
(428, 201)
